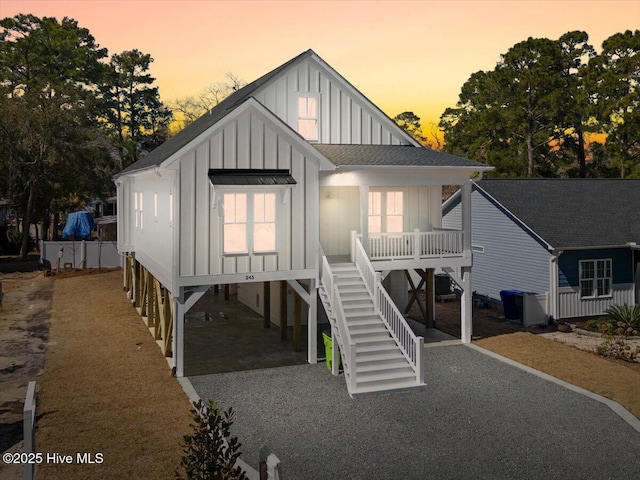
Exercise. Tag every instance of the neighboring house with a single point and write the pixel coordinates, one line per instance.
(266, 189)
(577, 241)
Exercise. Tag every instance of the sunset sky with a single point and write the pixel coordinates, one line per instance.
(403, 55)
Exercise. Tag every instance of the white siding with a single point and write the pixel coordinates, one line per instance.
(248, 140)
(512, 259)
(153, 237)
(570, 305)
(343, 117)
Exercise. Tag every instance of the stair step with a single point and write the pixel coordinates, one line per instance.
(359, 321)
(355, 304)
(387, 387)
(374, 344)
(368, 357)
(369, 332)
(385, 377)
(397, 365)
(356, 297)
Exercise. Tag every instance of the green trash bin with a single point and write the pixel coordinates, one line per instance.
(328, 349)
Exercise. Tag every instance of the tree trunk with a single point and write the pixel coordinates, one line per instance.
(582, 157)
(529, 156)
(56, 226)
(26, 222)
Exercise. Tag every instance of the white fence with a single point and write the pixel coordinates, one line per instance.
(81, 254)
(29, 431)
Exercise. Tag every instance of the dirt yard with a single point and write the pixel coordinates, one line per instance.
(105, 388)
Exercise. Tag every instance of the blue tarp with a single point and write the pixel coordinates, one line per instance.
(79, 225)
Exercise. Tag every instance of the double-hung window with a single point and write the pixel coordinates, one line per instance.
(308, 117)
(595, 278)
(386, 212)
(249, 223)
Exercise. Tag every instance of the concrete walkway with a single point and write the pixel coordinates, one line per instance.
(476, 418)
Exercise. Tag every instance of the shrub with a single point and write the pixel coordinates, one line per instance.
(210, 452)
(619, 320)
(618, 349)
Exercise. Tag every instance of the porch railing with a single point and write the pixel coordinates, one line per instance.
(411, 345)
(415, 245)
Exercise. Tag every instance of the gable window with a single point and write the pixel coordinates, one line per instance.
(595, 278)
(386, 212)
(308, 117)
(249, 223)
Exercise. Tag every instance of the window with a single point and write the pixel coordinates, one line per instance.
(595, 278)
(308, 117)
(386, 212)
(141, 212)
(135, 208)
(249, 223)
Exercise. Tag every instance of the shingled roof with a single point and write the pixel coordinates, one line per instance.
(392, 155)
(217, 113)
(572, 213)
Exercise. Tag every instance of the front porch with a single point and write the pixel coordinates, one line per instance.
(417, 249)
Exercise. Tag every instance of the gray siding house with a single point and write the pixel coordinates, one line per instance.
(576, 241)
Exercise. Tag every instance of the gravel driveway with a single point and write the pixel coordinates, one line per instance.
(476, 418)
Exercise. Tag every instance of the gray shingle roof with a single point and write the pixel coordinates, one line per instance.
(193, 130)
(573, 213)
(392, 155)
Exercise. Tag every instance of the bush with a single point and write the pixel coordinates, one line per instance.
(619, 320)
(211, 453)
(619, 349)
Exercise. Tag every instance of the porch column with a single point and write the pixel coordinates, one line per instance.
(312, 323)
(466, 219)
(364, 216)
(178, 333)
(466, 328)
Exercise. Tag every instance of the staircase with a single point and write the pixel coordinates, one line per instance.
(373, 358)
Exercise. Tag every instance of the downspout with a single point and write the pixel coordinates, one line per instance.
(553, 284)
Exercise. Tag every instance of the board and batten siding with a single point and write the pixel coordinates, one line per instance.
(246, 141)
(152, 227)
(344, 118)
(512, 259)
(570, 305)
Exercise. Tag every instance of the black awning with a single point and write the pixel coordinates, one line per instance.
(250, 176)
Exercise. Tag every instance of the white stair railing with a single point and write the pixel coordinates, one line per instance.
(345, 343)
(410, 344)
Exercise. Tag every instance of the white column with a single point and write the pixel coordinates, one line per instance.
(312, 323)
(364, 216)
(466, 219)
(178, 334)
(466, 306)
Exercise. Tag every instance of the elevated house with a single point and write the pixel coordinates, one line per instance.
(574, 242)
(297, 179)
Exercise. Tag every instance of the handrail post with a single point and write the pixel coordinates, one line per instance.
(377, 287)
(353, 245)
(420, 361)
(417, 248)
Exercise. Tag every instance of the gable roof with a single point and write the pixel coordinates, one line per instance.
(393, 155)
(572, 213)
(217, 113)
